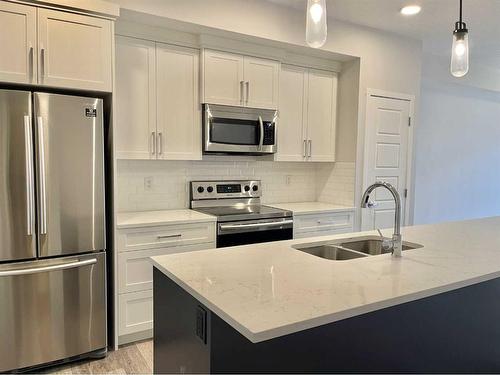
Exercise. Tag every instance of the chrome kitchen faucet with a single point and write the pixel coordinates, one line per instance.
(395, 245)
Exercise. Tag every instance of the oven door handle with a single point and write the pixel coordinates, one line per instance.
(261, 141)
(255, 225)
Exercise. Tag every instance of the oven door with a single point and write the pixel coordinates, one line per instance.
(239, 130)
(254, 231)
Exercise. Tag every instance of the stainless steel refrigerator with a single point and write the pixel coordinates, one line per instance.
(52, 228)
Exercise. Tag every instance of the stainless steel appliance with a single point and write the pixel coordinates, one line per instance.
(241, 218)
(240, 130)
(52, 229)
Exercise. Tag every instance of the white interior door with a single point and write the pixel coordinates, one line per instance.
(386, 157)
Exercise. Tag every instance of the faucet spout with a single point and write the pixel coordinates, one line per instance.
(365, 202)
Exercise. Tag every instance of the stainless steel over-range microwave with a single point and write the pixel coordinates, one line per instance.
(228, 129)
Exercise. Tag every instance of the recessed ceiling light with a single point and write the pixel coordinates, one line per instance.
(411, 10)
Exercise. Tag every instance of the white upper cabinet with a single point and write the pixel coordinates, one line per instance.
(18, 41)
(261, 82)
(158, 111)
(232, 79)
(135, 95)
(293, 110)
(321, 115)
(178, 103)
(75, 50)
(307, 120)
(223, 78)
(55, 48)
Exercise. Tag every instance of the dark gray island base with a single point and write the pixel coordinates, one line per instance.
(452, 332)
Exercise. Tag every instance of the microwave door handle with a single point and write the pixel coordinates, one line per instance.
(261, 141)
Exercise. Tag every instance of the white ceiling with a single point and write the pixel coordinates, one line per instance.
(434, 24)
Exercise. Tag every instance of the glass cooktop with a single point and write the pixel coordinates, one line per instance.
(244, 212)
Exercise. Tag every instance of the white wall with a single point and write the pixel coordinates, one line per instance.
(457, 152)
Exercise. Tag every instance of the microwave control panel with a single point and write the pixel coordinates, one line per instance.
(269, 132)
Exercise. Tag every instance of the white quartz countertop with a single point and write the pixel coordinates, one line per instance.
(311, 207)
(269, 290)
(152, 218)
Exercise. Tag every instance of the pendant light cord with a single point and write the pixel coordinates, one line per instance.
(460, 12)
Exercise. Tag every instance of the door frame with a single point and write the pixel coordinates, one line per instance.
(407, 219)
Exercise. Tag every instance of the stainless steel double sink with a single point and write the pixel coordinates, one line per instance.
(351, 248)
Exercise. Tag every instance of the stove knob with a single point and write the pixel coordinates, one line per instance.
(247, 188)
(210, 189)
(200, 189)
(255, 188)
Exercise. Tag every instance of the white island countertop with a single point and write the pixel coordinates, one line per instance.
(311, 207)
(270, 290)
(165, 217)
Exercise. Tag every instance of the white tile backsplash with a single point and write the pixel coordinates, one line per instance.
(169, 188)
(335, 183)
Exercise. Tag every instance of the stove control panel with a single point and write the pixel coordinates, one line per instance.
(225, 189)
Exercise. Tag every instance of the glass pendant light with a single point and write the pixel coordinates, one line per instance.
(460, 48)
(316, 23)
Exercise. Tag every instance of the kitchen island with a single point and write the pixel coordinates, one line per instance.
(272, 308)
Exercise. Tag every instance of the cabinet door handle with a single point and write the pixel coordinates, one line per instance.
(248, 91)
(42, 63)
(242, 94)
(169, 236)
(153, 143)
(30, 63)
(310, 148)
(160, 143)
(304, 150)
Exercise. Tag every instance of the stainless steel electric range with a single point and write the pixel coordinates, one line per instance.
(241, 218)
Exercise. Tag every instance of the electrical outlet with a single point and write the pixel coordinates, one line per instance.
(148, 183)
(288, 179)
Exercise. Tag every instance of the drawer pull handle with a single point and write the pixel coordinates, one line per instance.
(169, 236)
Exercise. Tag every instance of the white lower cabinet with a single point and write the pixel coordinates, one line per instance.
(135, 271)
(135, 314)
(312, 225)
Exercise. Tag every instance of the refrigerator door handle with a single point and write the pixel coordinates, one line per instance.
(30, 188)
(43, 182)
(55, 267)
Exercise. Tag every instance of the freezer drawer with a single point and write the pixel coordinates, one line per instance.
(51, 310)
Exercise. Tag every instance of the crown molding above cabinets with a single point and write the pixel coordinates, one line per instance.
(264, 49)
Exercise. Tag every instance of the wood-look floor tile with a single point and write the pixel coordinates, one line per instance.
(134, 358)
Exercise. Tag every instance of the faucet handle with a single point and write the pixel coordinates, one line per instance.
(387, 243)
